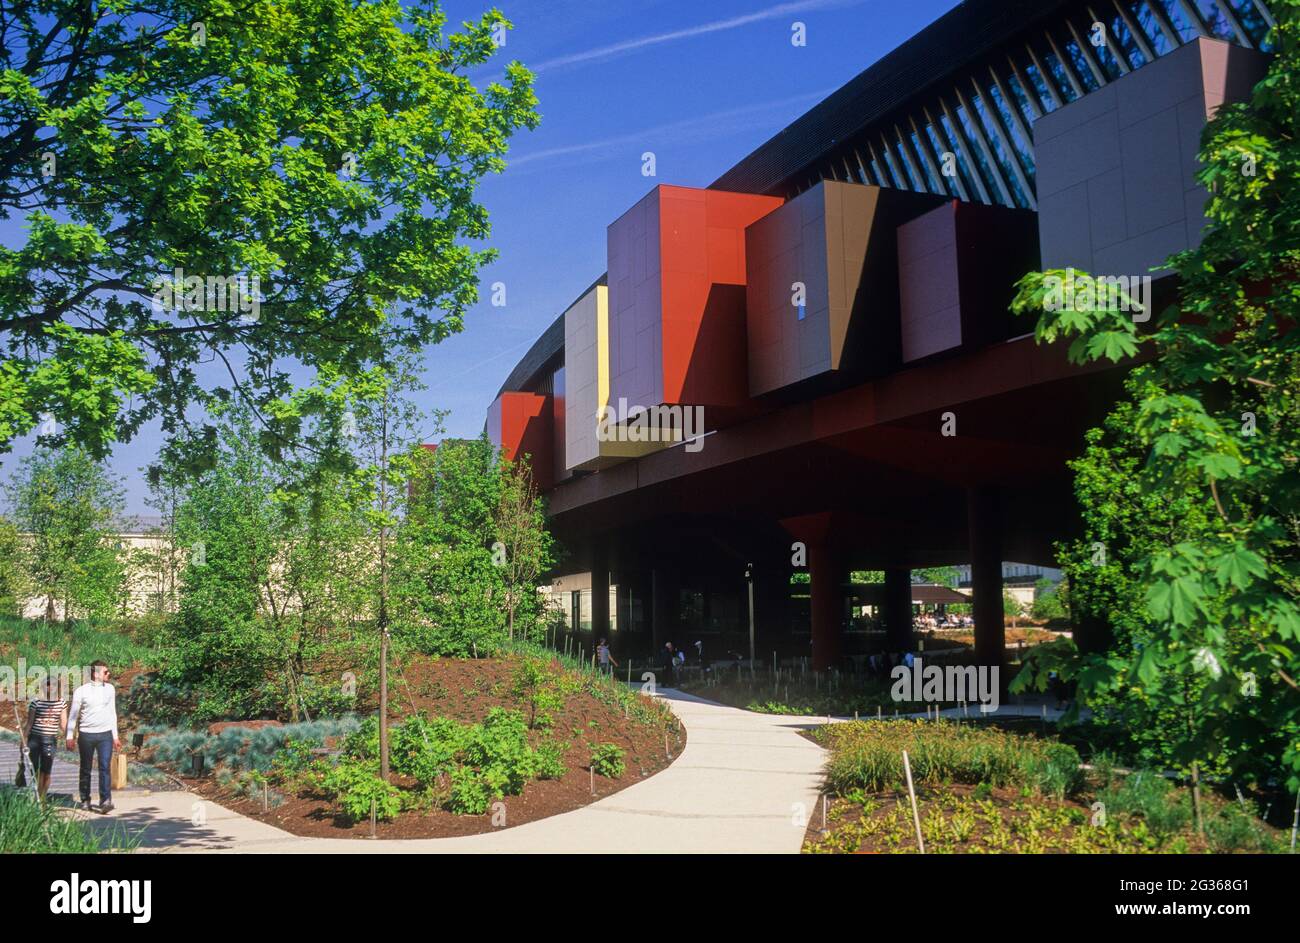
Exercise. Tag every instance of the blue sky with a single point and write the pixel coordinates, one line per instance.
(699, 84)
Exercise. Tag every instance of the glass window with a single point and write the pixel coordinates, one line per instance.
(1023, 151)
(1071, 49)
(1215, 21)
(584, 610)
(918, 154)
(1124, 39)
(1150, 26)
(963, 167)
(938, 150)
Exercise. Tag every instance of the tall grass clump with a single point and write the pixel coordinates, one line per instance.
(28, 827)
(868, 756)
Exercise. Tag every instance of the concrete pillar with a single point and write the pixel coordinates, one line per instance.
(826, 571)
(898, 610)
(985, 532)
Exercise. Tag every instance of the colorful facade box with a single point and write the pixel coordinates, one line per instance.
(677, 275)
(1117, 187)
(822, 291)
(523, 424)
(956, 283)
(586, 383)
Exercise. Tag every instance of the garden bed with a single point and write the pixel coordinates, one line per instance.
(570, 710)
(981, 789)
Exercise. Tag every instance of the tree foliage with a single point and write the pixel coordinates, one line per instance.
(1191, 492)
(330, 149)
(66, 507)
(469, 510)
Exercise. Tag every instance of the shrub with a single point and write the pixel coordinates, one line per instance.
(550, 760)
(356, 786)
(607, 760)
(239, 748)
(470, 793)
(1150, 796)
(426, 749)
(499, 749)
(534, 685)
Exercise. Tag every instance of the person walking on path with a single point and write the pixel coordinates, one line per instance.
(46, 717)
(94, 714)
(604, 659)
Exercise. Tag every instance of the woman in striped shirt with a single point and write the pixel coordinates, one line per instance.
(46, 718)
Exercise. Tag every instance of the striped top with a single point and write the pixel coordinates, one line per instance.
(45, 716)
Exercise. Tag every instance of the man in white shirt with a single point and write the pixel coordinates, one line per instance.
(94, 710)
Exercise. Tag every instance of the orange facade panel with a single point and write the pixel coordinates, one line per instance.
(522, 424)
(677, 277)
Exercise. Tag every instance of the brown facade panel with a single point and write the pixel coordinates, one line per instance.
(958, 266)
(822, 293)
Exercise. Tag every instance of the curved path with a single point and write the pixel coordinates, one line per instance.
(745, 783)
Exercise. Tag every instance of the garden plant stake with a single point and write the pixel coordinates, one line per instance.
(911, 792)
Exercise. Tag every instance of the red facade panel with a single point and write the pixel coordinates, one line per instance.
(677, 297)
(522, 424)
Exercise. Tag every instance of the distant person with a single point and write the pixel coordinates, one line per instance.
(908, 659)
(670, 661)
(46, 717)
(94, 716)
(604, 659)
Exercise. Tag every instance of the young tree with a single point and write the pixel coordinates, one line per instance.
(1209, 431)
(229, 635)
(67, 508)
(523, 545)
(161, 150)
(450, 590)
(13, 585)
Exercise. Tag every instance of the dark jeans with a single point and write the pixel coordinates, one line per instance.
(90, 745)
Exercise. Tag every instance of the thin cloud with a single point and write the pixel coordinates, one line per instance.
(717, 26)
(694, 129)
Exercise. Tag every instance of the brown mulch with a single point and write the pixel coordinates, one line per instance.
(465, 689)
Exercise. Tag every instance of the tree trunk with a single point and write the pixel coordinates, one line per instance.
(1196, 798)
(383, 590)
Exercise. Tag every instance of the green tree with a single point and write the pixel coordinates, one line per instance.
(1049, 600)
(450, 591)
(1210, 439)
(13, 584)
(229, 638)
(67, 508)
(279, 577)
(523, 548)
(162, 150)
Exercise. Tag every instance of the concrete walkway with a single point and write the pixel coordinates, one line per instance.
(745, 783)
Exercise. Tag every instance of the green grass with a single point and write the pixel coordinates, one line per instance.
(1045, 802)
(41, 643)
(27, 827)
(868, 756)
